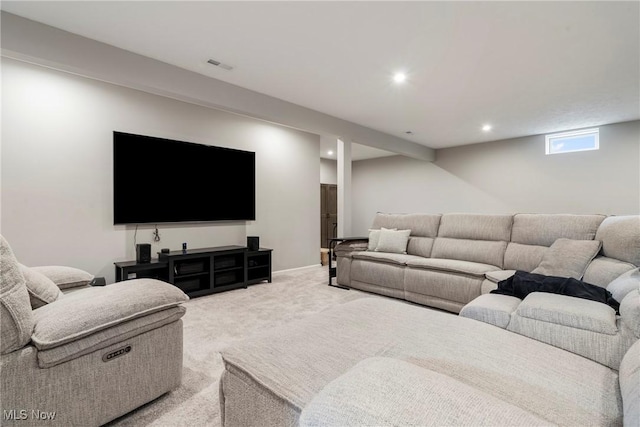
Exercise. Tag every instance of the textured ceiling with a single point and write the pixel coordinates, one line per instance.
(524, 67)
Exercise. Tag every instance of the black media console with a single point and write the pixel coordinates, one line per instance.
(203, 271)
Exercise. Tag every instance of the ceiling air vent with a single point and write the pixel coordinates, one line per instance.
(220, 64)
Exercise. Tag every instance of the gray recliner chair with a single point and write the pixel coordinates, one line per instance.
(86, 357)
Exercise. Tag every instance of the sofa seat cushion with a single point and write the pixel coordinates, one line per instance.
(401, 393)
(491, 308)
(605, 349)
(522, 284)
(569, 311)
(388, 257)
(452, 265)
(296, 361)
(96, 309)
(499, 275)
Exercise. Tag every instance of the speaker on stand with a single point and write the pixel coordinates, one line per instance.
(143, 253)
(253, 243)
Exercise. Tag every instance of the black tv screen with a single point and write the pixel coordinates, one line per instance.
(158, 180)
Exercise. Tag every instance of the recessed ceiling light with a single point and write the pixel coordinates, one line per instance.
(408, 132)
(486, 128)
(399, 77)
(330, 153)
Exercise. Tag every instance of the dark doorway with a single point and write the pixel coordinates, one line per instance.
(328, 213)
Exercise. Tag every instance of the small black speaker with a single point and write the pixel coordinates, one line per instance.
(253, 243)
(143, 253)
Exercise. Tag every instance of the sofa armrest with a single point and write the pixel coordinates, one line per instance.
(94, 309)
(491, 308)
(630, 311)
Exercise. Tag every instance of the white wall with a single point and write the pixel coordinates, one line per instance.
(328, 171)
(42, 44)
(57, 172)
(507, 176)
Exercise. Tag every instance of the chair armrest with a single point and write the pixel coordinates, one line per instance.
(491, 308)
(94, 309)
(65, 277)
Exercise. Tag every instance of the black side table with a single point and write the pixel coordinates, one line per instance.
(333, 270)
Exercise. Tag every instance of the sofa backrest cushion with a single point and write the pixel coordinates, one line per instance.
(532, 234)
(603, 270)
(476, 226)
(523, 257)
(473, 237)
(629, 375)
(620, 237)
(424, 227)
(16, 318)
(482, 251)
(421, 225)
(544, 229)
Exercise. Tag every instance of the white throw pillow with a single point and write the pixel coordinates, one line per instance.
(374, 237)
(394, 241)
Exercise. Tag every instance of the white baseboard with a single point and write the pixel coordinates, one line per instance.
(289, 270)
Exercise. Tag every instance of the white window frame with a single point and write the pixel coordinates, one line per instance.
(555, 136)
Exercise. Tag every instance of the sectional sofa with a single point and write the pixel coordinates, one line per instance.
(451, 259)
(379, 361)
(385, 361)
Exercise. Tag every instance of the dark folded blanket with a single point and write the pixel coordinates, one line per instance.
(522, 284)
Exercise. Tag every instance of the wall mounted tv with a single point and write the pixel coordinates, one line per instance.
(158, 180)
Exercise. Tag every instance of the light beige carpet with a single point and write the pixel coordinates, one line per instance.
(214, 322)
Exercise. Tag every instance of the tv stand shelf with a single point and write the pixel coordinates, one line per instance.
(204, 271)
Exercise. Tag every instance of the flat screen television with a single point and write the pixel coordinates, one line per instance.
(157, 180)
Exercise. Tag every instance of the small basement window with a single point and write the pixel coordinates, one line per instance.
(568, 142)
